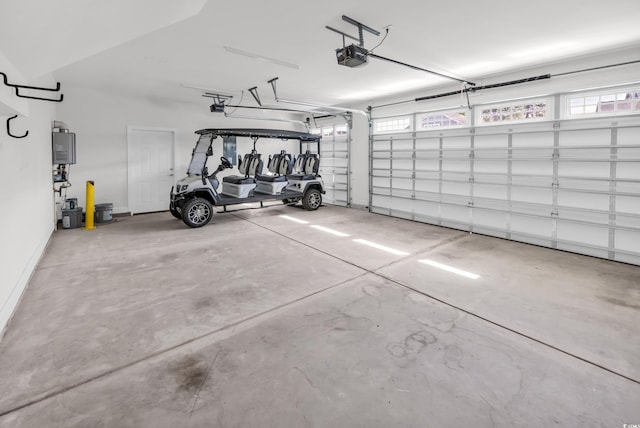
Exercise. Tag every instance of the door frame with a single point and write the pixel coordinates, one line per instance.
(130, 130)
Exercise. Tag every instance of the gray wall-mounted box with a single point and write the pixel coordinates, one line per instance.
(64, 148)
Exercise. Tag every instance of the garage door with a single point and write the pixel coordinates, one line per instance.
(545, 178)
(334, 164)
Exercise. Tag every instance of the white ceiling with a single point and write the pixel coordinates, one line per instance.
(128, 51)
(41, 36)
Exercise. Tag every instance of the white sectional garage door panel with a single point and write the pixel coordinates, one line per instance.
(567, 184)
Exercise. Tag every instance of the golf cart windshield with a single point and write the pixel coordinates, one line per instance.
(199, 156)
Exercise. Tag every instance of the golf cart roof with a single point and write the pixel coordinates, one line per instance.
(261, 133)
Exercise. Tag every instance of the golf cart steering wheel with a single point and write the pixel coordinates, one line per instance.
(225, 162)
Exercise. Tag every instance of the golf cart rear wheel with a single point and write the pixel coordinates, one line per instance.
(197, 212)
(312, 200)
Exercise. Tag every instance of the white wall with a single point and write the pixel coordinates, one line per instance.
(27, 214)
(360, 162)
(9, 103)
(100, 118)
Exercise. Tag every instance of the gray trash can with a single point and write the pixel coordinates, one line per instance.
(104, 213)
(72, 219)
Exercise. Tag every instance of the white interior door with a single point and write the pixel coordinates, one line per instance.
(151, 169)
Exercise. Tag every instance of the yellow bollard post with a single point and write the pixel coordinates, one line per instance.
(88, 223)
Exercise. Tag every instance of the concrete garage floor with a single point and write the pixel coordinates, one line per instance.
(258, 320)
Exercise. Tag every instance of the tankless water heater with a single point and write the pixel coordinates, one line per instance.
(64, 148)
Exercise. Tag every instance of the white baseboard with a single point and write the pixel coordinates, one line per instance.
(9, 306)
(359, 207)
(120, 210)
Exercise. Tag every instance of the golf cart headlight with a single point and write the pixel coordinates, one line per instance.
(184, 187)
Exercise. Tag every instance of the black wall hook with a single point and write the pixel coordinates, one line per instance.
(37, 88)
(9, 129)
(6, 82)
(59, 100)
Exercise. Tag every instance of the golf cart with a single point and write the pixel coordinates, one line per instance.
(291, 179)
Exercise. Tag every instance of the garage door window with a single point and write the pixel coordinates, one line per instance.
(524, 111)
(621, 101)
(395, 124)
(444, 119)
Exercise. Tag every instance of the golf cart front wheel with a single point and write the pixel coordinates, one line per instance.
(175, 212)
(197, 212)
(312, 200)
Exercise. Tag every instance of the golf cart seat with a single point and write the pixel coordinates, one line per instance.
(238, 179)
(306, 167)
(279, 165)
(240, 186)
(250, 166)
